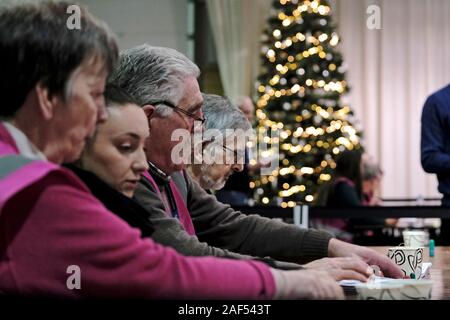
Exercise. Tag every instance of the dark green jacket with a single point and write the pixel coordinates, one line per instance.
(224, 232)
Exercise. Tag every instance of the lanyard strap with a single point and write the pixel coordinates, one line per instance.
(172, 203)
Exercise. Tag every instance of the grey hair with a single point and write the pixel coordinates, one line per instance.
(240, 100)
(221, 115)
(150, 74)
(370, 169)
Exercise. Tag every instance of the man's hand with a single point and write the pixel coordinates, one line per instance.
(337, 248)
(348, 268)
(305, 284)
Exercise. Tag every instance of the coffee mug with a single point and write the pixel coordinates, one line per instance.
(409, 259)
(415, 238)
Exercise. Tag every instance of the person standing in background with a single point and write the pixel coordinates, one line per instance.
(435, 148)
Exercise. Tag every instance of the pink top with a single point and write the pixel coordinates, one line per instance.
(50, 221)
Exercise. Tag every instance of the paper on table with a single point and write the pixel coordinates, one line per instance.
(426, 266)
(376, 279)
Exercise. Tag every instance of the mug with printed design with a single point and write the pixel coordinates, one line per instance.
(409, 259)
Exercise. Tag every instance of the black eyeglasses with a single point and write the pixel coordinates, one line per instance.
(238, 155)
(172, 106)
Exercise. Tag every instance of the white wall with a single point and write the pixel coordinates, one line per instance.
(158, 22)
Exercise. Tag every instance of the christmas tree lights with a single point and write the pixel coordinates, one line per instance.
(300, 98)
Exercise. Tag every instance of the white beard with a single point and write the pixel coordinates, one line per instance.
(206, 182)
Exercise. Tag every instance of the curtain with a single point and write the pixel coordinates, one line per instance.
(237, 27)
(391, 72)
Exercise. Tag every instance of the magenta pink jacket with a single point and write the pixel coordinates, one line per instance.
(50, 221)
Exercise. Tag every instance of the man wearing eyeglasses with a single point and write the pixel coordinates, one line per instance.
(224, 142)
(236, 191)
(187, 218)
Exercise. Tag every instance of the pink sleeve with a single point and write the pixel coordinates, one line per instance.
(68, 226)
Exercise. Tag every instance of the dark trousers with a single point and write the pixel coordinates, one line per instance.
(444, 236)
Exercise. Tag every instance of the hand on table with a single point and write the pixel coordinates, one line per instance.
(305, 284)
(337, 248)
(346, 268)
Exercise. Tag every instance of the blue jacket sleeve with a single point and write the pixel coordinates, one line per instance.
(435, 140)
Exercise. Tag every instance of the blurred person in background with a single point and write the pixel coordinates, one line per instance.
(372, 230)
(344, 190)
(435, 148)
(371, 180)
(355, 184)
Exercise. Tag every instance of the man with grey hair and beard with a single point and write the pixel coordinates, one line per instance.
(164, 83)
(224, 140)
(236, 191)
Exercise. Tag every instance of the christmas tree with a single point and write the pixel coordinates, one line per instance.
(300, 98)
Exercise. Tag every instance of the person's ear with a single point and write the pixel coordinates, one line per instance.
(47, 102)
(149, 110)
